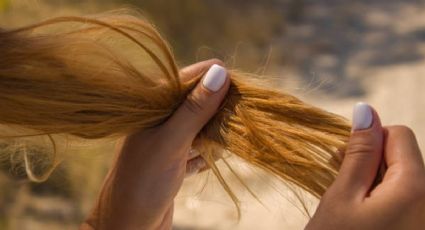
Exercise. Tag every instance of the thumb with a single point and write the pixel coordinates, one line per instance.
(199, 107)
(363, 154)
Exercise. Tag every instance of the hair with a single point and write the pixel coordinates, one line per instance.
(112, 75)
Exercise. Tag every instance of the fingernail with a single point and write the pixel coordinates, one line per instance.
(202, 164)
(196, 168)
(215, 77)
(192, 173)
(362, 116)
(193, 153)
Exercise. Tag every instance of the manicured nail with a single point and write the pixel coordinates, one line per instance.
(215, 77)
(362, 116)
(196, 167)
(192, 173)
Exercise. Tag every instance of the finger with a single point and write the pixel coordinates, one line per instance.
(197, 147)
(191, 71)
(195, 166)
(363, 154)
(402, 149)
(193, 153)
(198, 108)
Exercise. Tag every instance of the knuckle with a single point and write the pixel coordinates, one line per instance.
(402, 130)
(216, 61)
(359, 149)
(192, 104)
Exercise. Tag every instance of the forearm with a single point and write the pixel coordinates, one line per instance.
(149, 170)
(162, 223)
(122, 206)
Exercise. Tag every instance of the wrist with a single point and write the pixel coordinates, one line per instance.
(100, 220)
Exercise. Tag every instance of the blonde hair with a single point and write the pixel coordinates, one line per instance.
(99, 77)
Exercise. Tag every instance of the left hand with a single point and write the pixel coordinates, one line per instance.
(139, 190)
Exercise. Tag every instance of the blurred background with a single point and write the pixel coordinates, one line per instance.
(330, 53)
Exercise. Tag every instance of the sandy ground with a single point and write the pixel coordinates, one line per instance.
(340, 53)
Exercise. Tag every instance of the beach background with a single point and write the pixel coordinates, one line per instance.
(330, 53)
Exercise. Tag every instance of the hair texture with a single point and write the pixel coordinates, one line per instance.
(112, 75)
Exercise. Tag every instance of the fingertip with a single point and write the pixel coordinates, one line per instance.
(363, 153)
(215, 61)
(194, 166)
(201, 104)
(362, 116)
(189, 72)
(365, 117)
(215, 78)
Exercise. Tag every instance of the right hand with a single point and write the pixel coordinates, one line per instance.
(398, 202)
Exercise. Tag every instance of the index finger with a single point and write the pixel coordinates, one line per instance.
(402, 149)
(189, 72)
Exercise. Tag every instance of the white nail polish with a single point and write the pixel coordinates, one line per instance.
(362, 116)
(215, 77)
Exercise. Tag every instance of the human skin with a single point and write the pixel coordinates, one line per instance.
(148, 171)
(141, 185)
(397, 202)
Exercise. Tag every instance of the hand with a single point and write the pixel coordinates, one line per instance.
(397, 202)
(139, 190)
